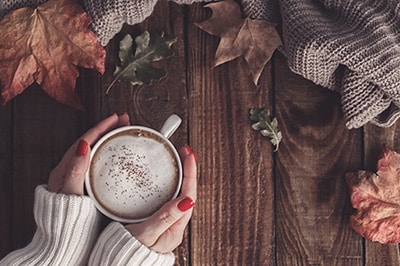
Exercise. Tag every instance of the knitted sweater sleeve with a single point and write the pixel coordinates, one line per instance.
(116, 246)
(67, 227)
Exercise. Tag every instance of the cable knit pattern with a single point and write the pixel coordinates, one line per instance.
(67, 228)
(124, 246)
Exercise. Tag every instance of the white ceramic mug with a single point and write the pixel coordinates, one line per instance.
(134, 171)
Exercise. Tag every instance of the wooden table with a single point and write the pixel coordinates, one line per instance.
(255, 207)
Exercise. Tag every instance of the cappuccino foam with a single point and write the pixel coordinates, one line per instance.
(134, 173)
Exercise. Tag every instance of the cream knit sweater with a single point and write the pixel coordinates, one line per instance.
(68, 234)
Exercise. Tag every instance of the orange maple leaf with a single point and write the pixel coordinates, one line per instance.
(255, 40)
(46, 45)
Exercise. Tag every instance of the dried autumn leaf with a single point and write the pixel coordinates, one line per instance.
(136, 66)
(266, 126)
(46, 44)
(255, 40)
(377, 200)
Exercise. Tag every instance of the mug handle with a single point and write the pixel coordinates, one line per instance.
(170, 125)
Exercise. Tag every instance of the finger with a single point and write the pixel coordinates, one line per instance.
(189, 182)
(76, 169)
(184, 151)
(69, 163)
(173, 237)
(149, 231)
(93, 134)
(124, 120)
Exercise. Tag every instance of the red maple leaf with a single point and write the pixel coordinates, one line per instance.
(46, 45)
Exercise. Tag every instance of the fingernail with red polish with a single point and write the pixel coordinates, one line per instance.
(82, 148)
(187, 149)
(185, 204)
(195, 156)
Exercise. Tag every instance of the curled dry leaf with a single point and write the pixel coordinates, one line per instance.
(45, 45)
(267, 126)
(255, 40)
(136, 66)
(377, 200)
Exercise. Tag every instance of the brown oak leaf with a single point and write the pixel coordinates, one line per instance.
(255, 40)
(377, 200)
(46, 45)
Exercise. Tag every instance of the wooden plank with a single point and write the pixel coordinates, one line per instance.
(151, 105)
(43, 131)
(233, 219)
(312, 200)
(6, 181)
(375, 138)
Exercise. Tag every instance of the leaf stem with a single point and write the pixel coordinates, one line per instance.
(269, 125)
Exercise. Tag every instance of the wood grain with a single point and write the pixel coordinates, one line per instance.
(151, 105)
(312, 202)
(254, 207)
(6, 178)
(233, 219)
(43, 130)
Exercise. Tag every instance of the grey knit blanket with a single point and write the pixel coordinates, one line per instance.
(349, 46)
(352, 46)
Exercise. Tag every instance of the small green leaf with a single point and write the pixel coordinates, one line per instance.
(125, 52)
(266, 126)
(142, 43)
(136, 67)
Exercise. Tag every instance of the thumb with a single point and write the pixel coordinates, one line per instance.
(163, 219)
(76, 169)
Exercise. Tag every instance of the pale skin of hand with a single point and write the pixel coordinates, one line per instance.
(69, 175)
(163, 231)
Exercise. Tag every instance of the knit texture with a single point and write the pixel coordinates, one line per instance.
(124, 247)
(68, 234)
(67, 228)
(350, 46)
(8, 5)
(110, 15)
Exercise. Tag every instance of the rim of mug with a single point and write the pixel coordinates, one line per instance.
(93, 151)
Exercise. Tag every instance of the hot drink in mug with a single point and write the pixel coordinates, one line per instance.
(134, 171)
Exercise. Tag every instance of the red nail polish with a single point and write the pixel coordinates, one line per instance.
(187, 149)
(185, 204)
(195, 156)
(82, 148)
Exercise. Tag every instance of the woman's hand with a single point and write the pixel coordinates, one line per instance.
(164, 230)
(69, 175)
